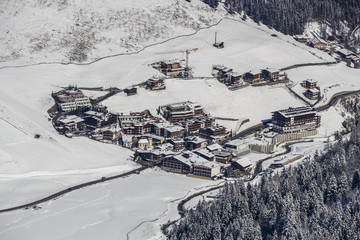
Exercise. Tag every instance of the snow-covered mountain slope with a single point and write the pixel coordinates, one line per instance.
(83, 30)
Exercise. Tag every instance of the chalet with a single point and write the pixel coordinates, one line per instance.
(182, 111)
(137, 128)
(174, 131)
(253, 78)
(294, 120)
(170, 68)
(70, 124)
(193, 125)
(222, 156)
(155, 83)
(195, 142)
(180, 163)
(144, 143)
(112, 133)
(312, 94)
(214, 133)
(158, 128)
(94, 119)
(170, 64)
(301, 38)
(131, 117)
(153, 155)
(206, 169)
(205, 153)
(244, 164)
(346, 54)
(131, 91)
(178, 143)
(309, 84)
(237, 146)
(233, 78)
(221, 72)
(270, 75)
(318, 43)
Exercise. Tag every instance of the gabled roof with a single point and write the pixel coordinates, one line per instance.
(345, 52)
(204, 152)
(316, 40)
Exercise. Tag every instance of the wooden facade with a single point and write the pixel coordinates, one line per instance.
(171, 164)
(130, 91)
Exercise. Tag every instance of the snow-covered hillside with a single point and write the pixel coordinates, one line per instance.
(83, 30)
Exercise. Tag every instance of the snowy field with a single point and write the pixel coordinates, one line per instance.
(213, 96)
(135, 205)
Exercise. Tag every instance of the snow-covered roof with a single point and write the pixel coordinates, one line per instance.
(112, 128)
(161, 124)
(177, 140)
(165, 146)
(244, 162)
(316, 40)
(310, 81)
(196, 140)
(174, 128)
(345, 52)
(208, 164)
(300, 37)
(236, 142)
(127, 138)
(171, 61)
(314, 90)
(222, 153)
(71, 119)
(204, 152)
(296, 111)
(93, 113)
(272, 70)
(214, 147)
(235, 74)
(143, 141)
(190, 158)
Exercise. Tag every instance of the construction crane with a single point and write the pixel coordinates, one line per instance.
(187, 51)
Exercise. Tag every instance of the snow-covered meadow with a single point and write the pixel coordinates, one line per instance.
(126, 208)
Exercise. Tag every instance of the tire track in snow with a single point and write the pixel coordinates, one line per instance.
(118, 54)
